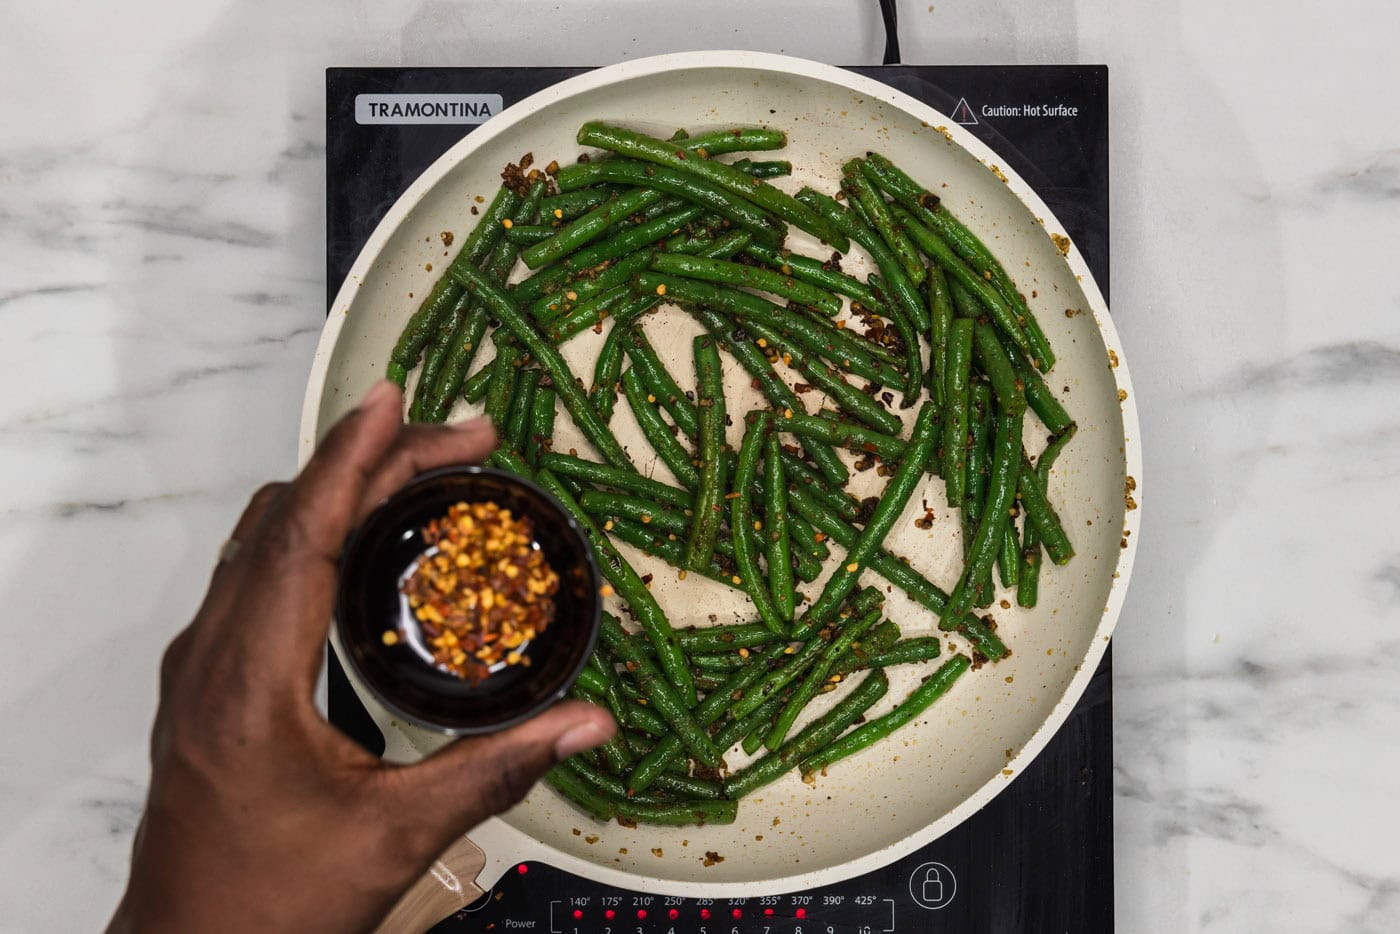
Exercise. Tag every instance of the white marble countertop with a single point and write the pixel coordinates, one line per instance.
(161, 249)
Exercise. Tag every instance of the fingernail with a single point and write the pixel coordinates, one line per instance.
(378, 392)
(584, 736)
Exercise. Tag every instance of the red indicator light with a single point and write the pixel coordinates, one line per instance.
(801, 913)
(641, 914)
(674, 914)
(768, 912)
(522, 869)
(609, 914)
(578, 913)
(704, 913)
(736, 914)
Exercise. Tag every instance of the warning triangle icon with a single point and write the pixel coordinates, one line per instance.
(963, 114)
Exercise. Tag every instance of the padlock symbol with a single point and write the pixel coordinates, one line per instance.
(933, 886)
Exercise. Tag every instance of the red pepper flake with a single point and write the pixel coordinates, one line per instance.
(481, 590)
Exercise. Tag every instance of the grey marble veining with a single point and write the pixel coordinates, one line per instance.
(161, 248)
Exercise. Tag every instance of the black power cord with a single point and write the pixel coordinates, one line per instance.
(890, 14)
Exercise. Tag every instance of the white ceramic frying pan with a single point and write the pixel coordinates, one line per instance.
(894, 798)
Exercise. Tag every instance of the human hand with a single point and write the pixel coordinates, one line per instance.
(261, 815)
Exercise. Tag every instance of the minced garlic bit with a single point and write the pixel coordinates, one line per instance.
(507, 223)
(852, 567)
(483, 593)
(661, 289)
(558, 213)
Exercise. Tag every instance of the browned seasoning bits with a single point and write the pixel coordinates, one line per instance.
(482, 590)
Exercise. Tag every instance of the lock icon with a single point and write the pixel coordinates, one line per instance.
(933, 886)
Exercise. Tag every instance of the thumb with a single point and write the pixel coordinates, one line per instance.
(476, 778)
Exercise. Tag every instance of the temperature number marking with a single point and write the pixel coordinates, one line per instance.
(642, 901)
(801, 899)
(673, 900)
(579, 901)
(613, 900)
(769, 900)
(865, 899)
(833, 899)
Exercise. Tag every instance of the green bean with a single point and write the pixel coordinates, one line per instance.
(724, 638)
(444, 294)
(861, 183)
(772, 168)
(676, 458)
(571, 204)
(909, 339)
(702, 789)
(617, 478)
(853, 353)
(880, 638)
(1027, 592)
(993, 360)
(1009, 556)
(502, 386)
(774, 389)
(871, 732)
(704, 529)
(604, 505)
(564, 779)
(1042, 515)
(718, 662)
(998, 308)
(816, 736)
(760, 424)
(522, 404)
(660, 152)
(1041, 398)
(901, 285)
(965, 304)
(777, 680)
(588, 227)
(892, 502)
(814, 271)
(619, 573)
(896, 571)
(570, 393)
(446, 363)
(776, 532)
(658, 379)
(541, 424)
(552, 310)
(757, 221)
(829, 381)
(435, 356)
(1001, 490)
(917, 649)
(965, 244)
(849, 435)
(658, 689)
(465, 342)
(955, 415)
(752, 277)
(474, 388)
(634, 237)
(940, 307)
(836, 499)
(607, 371)
(736, 139)
(707, 713)
(816, 678)
(982, 426)
(593, 681)
(657, 543)
(527, 234)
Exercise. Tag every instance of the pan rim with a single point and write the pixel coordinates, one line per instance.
(506, 846)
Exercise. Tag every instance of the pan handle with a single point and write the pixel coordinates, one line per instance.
(449, 886)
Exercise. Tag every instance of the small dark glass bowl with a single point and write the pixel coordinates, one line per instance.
(405, 681)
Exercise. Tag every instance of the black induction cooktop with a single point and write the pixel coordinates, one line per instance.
(1039, 857)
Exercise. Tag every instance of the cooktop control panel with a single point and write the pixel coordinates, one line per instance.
(915, 894)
